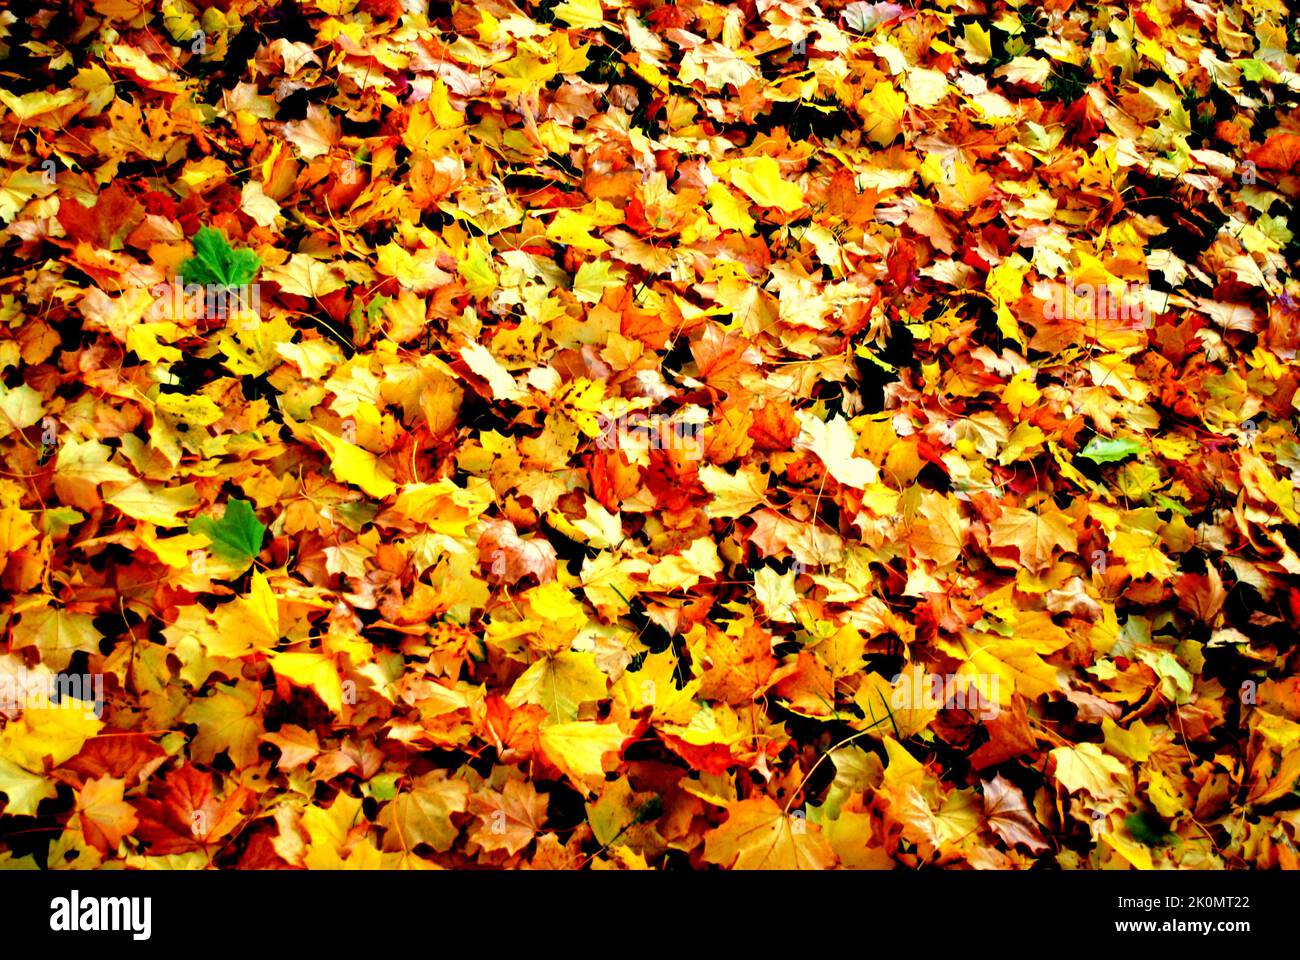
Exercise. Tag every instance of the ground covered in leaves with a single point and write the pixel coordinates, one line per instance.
(626, 413)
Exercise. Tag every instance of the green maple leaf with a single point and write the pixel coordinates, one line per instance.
(237, 536)
(1101, 450)
(1257, 70)
(1148, 829)
(216, 262)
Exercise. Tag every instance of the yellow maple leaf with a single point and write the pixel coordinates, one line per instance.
(1037, 536)
(734, 495)
(356, 465)
(834, 442)
(229, 720)
(759, 835)
(882, 112)
(586, 14)
(314, 670)
(1084, 767)
(578, 748)
(727, 211)
(57, 732)
(245, 624)
(154, 503)
(32, 105)
(561, 684)
(105, 817)
(306, 276)
(761, 179)
(57, 633)
(23, 789)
